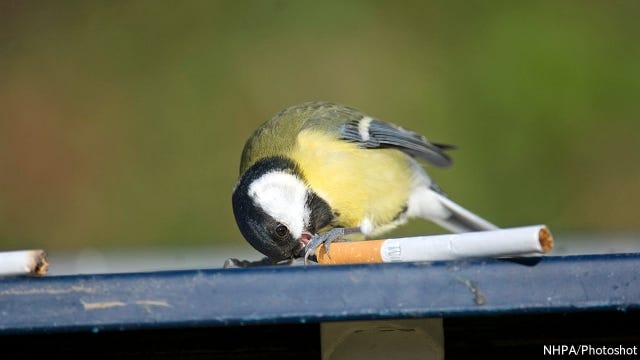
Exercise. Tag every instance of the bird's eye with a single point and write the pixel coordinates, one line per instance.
(281, 230)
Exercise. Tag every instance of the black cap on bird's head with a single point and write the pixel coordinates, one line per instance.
(276, 212)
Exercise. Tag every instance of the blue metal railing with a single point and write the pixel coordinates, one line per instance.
(299, 294)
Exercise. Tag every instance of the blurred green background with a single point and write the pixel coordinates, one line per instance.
(122, 122)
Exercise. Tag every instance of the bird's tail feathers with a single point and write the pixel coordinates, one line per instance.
(455, 218)
(461, 219)
(434, 206)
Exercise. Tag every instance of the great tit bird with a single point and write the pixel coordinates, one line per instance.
(318, 171)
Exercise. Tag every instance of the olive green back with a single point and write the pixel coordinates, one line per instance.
(278, 135)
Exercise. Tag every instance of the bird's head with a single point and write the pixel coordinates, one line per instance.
(275, 209)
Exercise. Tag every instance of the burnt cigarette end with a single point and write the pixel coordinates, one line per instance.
(546, 240)
(41, 264)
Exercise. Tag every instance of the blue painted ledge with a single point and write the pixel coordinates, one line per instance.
(299, 294)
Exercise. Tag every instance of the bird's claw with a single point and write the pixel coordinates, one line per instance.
(325, 239)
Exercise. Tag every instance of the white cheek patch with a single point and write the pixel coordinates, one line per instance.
(282, 196)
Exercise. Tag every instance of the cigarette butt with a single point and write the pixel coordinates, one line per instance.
(519, 241)
(23, 262)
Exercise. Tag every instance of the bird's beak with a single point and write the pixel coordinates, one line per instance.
(302, 244)
(305, 237)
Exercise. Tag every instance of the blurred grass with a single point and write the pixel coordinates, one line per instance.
(122, 123)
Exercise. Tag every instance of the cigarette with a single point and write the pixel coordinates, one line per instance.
(24, 262)
(519, 241)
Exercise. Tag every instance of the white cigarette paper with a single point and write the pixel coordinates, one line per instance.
(520, 241)
(24, 262)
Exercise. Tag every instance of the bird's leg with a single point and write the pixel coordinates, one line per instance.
(326, 239)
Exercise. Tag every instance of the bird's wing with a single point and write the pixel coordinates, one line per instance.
(372, 133)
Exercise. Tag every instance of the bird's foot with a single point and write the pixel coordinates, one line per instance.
(232, 263)
(326, 239)
(236, 263)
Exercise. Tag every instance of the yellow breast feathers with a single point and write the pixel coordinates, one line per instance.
(370, 185)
